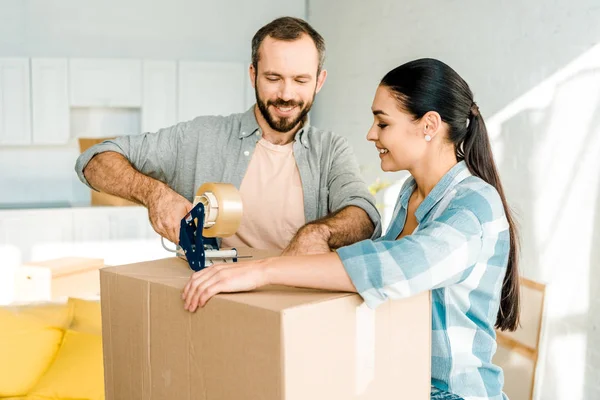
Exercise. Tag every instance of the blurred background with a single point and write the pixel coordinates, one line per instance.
(71, 70)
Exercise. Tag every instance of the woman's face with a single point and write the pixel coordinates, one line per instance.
(400, 140)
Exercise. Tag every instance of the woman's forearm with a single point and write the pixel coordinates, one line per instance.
(321, 271)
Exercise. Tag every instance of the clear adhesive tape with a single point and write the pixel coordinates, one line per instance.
(229, 204)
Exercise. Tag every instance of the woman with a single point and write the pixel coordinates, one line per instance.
(451, 232)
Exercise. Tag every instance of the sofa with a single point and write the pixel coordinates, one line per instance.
(51, 351)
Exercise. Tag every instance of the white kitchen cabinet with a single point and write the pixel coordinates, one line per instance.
(27, 229)
(119, 235)
(102, 224)
(50, 100)
(211, 88)
(105, 83)
(130, 223)
(159, 95)
(91, 224)
(15, 102)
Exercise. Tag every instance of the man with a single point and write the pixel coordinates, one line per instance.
(300, 186)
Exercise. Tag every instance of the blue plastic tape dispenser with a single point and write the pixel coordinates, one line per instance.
(217, 213)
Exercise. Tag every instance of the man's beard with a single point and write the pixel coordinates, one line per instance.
(282, 125)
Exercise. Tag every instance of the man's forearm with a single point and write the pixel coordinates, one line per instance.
(348, 225)
(112, 173)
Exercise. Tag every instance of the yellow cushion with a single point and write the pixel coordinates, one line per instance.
(77, 372)
(59, 315)
(29, 339)
(86, 316)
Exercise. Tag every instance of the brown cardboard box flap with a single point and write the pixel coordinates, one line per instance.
(105, 199)
(86, 143)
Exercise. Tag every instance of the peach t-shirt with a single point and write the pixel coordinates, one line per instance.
(272, 197)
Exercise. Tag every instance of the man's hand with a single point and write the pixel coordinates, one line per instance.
(310, 239)
(166, 208)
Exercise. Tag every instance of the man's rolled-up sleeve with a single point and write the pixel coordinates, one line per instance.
(346, 186)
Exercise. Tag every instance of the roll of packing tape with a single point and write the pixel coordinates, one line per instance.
(229, 203)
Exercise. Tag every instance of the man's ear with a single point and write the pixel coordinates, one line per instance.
(321, 80)
(252, 73)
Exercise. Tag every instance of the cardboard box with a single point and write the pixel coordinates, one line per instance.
(101, 198)
(86, 143)
(58, 279)
(105, 199)
(275, 343)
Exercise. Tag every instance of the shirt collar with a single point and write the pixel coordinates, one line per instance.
(457, 174)
(249, 126)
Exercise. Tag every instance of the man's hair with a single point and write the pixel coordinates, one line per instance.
(288, 29)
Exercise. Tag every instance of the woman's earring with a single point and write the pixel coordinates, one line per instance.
(427, 137)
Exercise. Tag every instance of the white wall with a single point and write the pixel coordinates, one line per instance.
(172, 30)
(535, 69)
(201, 29)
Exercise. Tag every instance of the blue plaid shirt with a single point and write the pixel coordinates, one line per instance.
(459, 251)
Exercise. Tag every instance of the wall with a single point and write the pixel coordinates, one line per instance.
(203, 30)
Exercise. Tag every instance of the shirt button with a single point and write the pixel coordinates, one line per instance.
(243, 133)
(257, 133)
(246, 153)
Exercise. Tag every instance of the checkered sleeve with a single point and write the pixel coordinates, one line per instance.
(440, 253)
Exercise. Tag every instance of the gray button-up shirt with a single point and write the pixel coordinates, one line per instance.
(219, 148)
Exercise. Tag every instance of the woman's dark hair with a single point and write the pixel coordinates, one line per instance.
(430, 85)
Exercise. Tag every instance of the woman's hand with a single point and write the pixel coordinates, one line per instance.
(223, 278)
(320, 271)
